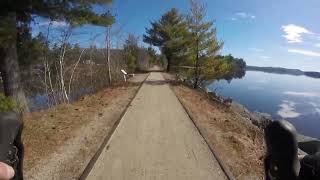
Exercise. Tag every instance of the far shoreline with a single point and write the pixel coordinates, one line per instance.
(285, 71)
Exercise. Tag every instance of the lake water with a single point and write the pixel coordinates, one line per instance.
(294, 98)
(40, 101)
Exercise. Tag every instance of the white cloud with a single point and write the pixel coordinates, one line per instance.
(256, 49)
(293, 33)
(245, 15)
(317, 45)
(304, 52)
(242, 15)
(53, 23)
(288, 110)
(265, 57)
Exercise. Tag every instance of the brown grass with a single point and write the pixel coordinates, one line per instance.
(238, 143)
(47, 130)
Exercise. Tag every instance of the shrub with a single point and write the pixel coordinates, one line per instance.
(6, 103)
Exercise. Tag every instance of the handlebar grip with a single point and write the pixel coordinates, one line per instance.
(11, 147)
(281, 162)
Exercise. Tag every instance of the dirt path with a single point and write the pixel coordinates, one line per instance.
(156, 140)
(156, 68)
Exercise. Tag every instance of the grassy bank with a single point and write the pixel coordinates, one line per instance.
(238, 142)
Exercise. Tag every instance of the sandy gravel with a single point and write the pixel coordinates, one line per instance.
(156, 140)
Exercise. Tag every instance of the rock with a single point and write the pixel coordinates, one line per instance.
(212, 94)
(227, 101)
(262, 120)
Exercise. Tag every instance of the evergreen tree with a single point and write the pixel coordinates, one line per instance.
(152, 56)
(131, 51)
(31, 49)
(203, 43)
(168, 34)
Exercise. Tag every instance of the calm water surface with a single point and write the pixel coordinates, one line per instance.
(294, 98)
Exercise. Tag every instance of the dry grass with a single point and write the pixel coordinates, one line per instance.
(47, 130)
(239, 143)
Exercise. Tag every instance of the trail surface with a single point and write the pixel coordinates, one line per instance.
(156, 140)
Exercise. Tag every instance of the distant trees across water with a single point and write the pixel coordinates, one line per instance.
(237, 68)
(278, 70)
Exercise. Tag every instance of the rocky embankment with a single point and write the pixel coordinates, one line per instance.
(261, 120)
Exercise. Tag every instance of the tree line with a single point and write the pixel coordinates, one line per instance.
(190, 43)
(30, 65)
(83, 70)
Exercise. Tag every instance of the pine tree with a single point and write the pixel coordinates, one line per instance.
(131, 51)
(203, 43)
(168, 34)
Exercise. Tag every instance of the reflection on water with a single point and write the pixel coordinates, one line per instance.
(294, 98)
(40, 101)
(288, 110)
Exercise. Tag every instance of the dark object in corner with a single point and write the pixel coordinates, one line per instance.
(281, 162)
(310, 164)
(310, 147)
(310, 167)
(11, 147)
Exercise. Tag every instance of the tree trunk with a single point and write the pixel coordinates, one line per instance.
(196, 81)
(108, 45)
(10, 72)
(61, 71)
(169, 63)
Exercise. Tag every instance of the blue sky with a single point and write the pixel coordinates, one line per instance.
(283, 33)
